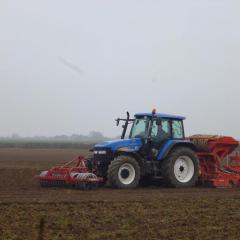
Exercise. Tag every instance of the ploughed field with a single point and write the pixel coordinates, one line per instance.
(149, 212)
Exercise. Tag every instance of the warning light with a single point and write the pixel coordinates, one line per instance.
(154, 111)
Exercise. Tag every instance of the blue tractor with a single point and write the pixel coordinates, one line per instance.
(156, 148)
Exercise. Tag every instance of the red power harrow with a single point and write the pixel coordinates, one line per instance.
(219, 160)
(72, 174)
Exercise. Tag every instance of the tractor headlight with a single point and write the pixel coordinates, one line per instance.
(100, 152)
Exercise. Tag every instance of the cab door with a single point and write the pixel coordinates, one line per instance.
(160, 134)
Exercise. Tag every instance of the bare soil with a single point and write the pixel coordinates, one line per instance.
(152, 212)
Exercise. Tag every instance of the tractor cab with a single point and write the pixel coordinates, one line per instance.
(155, 129)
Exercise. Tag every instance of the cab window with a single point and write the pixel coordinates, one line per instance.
(177, 129)
(163, 129)
(139, 128)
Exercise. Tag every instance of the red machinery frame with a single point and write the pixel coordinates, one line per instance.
(74, 173)
(218, 165)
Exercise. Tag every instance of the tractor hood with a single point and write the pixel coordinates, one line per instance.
(127, 145)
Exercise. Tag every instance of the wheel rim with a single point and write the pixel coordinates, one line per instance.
(184, 169)
(126, 173)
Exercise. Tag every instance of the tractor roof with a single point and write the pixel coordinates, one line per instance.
(161, 115)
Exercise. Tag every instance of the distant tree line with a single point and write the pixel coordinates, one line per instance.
(59, 141)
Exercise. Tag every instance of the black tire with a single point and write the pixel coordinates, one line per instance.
(124, 162)
(169, 162)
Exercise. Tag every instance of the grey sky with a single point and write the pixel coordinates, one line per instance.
(73, 66)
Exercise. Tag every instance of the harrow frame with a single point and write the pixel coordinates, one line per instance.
(72, 174)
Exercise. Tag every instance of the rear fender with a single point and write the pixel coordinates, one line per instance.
(170, 145)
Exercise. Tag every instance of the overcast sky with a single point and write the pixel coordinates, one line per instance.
(73, 66)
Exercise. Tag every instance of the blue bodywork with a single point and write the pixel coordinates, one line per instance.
(134, 144)
(161, 115)
(129, 145)
(168, 146)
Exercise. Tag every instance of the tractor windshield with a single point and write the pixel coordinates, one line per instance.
(139, 128)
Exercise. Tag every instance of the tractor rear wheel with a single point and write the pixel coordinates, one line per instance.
(124, 172)
(180, 168)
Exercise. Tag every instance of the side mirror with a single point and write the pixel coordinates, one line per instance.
(158, 121)
(117, 121)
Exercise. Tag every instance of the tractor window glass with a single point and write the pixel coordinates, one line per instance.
(161, 131)
(139, 128)
(177, 129)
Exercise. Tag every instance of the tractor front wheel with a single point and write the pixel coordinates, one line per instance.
(124, 172)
